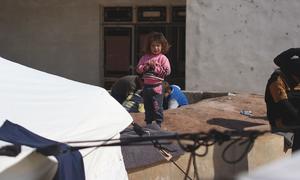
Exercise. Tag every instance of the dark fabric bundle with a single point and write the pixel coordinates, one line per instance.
(289, 61)
(138, 156)
(10, 150)
(70, 163)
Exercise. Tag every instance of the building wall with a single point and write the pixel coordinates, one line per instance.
(231, 44)
(61, 37)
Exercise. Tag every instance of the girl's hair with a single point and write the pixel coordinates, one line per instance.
(156, 37)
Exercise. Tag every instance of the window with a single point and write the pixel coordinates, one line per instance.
(117, 14)
(178, 14)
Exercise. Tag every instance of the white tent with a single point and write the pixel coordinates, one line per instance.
(61, 110)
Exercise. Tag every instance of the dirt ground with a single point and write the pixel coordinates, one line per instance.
(220, 113)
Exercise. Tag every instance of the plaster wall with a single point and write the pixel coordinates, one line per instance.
(61, 37)
(230, 45)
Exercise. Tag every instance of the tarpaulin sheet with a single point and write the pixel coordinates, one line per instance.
(145, 153)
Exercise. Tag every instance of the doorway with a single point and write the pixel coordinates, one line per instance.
(124, 34)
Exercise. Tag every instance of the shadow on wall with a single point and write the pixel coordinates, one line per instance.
(231, 157)
(225, 154)
(223, 160)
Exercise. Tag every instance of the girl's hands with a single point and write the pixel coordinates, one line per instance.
(151, 63)
(150, 66)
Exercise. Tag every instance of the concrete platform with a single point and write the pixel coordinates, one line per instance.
(266, 149)
(220, 111)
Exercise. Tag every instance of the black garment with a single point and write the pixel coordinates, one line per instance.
(288, 98)
(296, 140)
(125, 86)
(282, 96)
(289, 61)
(10, 150)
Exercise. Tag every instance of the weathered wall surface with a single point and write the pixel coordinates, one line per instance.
(59, 37)
(231, 45)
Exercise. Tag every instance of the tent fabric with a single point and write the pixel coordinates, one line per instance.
(70, 163)
(61, 110)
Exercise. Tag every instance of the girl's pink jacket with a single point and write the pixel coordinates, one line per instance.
(162, 68)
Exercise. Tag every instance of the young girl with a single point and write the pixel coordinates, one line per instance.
(154, 66)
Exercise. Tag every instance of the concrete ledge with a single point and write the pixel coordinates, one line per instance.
(266, 148)
(196, 96)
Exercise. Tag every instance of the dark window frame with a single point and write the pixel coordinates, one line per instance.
(118, 14)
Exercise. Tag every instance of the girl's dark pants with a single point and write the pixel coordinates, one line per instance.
(153, 104)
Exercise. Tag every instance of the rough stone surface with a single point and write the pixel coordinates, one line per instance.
(220, 113)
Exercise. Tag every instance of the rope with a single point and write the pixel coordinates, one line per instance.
(189, 142)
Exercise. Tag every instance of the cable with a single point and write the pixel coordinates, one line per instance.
(180, 169)
(188, 142)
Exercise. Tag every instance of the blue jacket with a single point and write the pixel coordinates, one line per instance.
(178, 95)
